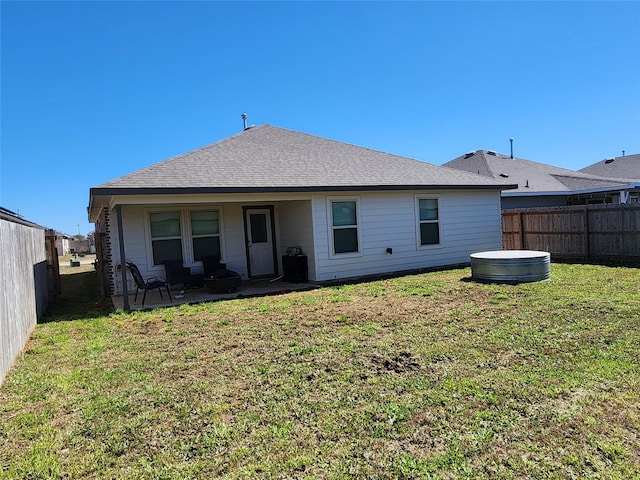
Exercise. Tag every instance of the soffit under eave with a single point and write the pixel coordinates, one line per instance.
(98, 202)
(187, 199)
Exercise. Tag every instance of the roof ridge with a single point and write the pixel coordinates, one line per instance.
(558, 171)
(585, 176)
(486, 163)
(311, 135)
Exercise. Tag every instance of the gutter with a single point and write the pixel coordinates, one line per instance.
(616, 188)
(336, 188)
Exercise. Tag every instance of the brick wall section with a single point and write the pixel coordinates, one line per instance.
(103, 225)
(108, 252)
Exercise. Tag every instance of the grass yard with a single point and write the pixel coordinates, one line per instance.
(424, 376)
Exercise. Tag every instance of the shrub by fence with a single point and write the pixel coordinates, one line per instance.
(586, 232)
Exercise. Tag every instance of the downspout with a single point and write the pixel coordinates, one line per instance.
(624, 196)
(123, 267)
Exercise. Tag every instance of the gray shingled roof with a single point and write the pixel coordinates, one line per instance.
(626, 168)
(267, 158)
(530, 176)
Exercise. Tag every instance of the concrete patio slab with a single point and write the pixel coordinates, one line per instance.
(248, 288)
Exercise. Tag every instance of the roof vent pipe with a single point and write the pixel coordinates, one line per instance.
(511, 140)
(623, 153)
(244, 120)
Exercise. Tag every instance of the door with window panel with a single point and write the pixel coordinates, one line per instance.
(260, 242)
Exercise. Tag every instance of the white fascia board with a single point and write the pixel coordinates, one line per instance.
(616, 188)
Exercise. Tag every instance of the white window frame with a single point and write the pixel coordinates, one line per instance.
(419, 244)
(331, 228)
(150, 239)
(186, 235)
(192, 236)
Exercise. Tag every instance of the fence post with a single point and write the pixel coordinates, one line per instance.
(586, 233)
(522, 234)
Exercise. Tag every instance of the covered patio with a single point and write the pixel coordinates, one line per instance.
(248, 288)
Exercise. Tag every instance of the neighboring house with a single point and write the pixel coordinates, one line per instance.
(541, 185)
(63, 243)
(626, 168)
(80, 246)
(66, 244)
(248, 198)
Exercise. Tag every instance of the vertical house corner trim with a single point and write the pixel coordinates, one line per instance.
(123, 267)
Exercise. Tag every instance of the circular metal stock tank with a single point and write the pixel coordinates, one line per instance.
(511, 266)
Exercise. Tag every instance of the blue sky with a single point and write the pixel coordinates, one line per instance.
(91, 91)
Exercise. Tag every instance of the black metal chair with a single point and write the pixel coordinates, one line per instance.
(150, 283)
(177, 273)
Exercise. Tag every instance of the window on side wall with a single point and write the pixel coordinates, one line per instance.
(205, 233)
(166, 238)
(428, 221)
(344, 226)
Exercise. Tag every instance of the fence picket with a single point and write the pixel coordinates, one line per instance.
(598, 232)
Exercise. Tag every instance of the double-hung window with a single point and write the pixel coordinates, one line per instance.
(428, 221)
(344, 226)
(205, 233)
(166, 237)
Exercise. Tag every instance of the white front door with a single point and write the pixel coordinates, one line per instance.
(259, 241)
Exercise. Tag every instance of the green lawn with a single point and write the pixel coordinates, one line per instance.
(423, 376)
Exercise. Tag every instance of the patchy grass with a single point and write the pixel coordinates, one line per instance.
(424, 376)
(86, 264)
(80, 297)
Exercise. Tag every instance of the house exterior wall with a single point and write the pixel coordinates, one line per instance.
(534, 201)
(594, 198)
(137, 240)
(296, 230)
(62, 245)
(234, 252)
(79, 246)
(469, 222)
(104, 254)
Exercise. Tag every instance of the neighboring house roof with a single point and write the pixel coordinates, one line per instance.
(626, 167)
(533, 178)
(6, 214)
(273, 159)
(64, 235)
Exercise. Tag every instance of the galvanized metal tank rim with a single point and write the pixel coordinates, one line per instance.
(511, 266)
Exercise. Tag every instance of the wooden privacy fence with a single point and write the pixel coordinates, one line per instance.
(24, 291)
(586, 232)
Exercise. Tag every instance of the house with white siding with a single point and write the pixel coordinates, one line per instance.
(265, 192)
(63, 243)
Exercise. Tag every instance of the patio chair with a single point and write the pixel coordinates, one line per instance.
(211, 264)
(150, 283)
(176, 273)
